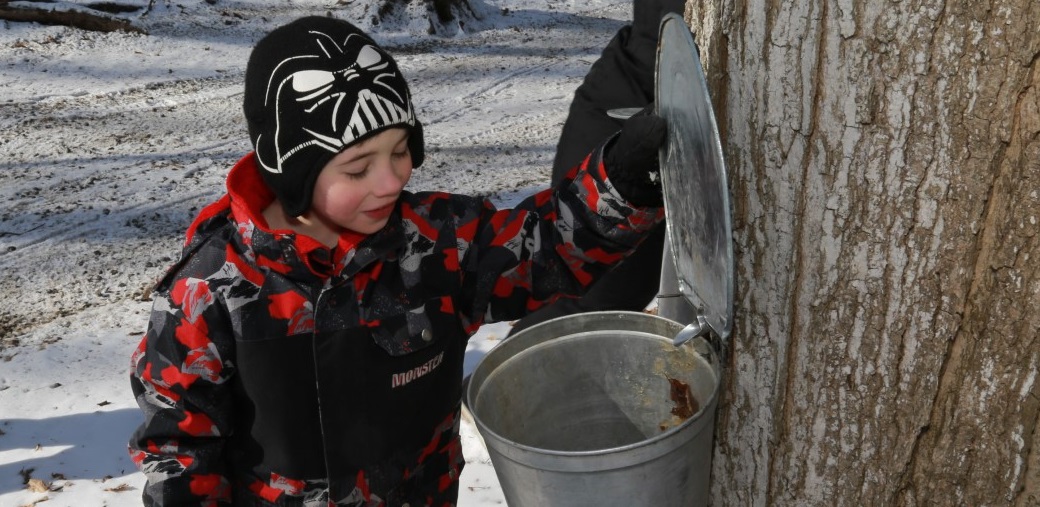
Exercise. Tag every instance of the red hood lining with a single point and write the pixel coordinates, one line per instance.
(250, 196)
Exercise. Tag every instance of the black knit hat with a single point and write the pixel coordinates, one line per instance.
(313, 88)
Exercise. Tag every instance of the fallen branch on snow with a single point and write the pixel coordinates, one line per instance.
(72, 18)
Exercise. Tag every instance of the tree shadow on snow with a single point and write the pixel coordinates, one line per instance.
(75, 446)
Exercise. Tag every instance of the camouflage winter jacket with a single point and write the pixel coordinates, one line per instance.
(277, 371)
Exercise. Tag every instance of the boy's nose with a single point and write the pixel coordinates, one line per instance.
(390, 181)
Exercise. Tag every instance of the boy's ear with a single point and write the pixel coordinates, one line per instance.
(415, 144)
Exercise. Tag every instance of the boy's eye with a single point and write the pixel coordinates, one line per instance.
(400, 151)
(356, 175)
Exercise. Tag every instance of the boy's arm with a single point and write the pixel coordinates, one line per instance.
(557, 242)
(180, 379)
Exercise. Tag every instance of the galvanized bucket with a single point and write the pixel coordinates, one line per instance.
(593, 409)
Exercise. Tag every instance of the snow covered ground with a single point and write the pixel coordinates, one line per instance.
(109, 143)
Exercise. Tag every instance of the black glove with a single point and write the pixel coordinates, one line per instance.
(631, 159)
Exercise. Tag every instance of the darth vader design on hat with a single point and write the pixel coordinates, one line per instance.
(313, 88)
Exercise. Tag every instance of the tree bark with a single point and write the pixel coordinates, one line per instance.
(884, 161)
(446, 17)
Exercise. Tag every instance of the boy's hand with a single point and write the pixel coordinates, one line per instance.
(631, 160)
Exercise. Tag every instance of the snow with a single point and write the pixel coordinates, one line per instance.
(109, 143)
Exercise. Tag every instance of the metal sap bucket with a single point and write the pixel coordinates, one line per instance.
(580, 411)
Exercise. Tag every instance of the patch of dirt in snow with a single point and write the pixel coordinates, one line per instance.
(112, 142)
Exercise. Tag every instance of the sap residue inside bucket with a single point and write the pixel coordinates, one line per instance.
(590, 391)
(685, 403)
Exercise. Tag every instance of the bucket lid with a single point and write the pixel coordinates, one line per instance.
(693, 174)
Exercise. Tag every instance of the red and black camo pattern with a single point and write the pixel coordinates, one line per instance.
(276, 371)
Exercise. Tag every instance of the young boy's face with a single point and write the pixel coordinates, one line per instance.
(358, 188)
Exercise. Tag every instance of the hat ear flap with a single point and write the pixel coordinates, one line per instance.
(415, 144)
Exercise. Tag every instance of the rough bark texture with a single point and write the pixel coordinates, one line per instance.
(884, 161)
(446, 17)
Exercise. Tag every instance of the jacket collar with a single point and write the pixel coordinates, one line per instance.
(296, 255)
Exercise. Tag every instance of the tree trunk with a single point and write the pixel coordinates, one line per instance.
(446, 17)
(884, 160)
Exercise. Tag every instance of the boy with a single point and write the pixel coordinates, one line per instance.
(307, 348)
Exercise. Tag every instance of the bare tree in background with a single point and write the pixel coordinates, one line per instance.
(445, 16)
(884, 158)
(447, 10)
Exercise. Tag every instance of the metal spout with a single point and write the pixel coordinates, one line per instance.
(691, 331)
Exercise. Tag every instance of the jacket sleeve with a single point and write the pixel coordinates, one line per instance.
(180, 379)
(553, 244)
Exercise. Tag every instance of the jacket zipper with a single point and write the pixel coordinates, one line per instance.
(317, 389)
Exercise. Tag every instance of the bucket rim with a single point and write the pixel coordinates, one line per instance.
(698, 418)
